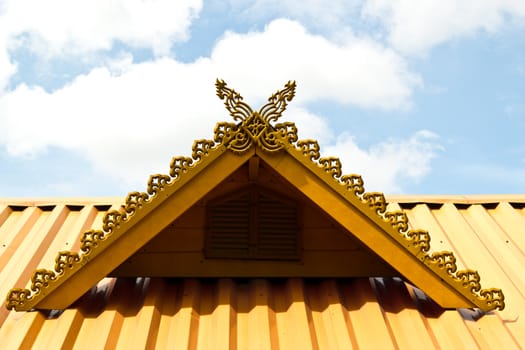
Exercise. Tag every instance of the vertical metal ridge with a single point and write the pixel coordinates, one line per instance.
(512, 223)
(376, 285)
(473, 250)
(369, 326)
(168, 307)
(32, 331)
(448, 238)
(17, 234)
(344, 310)
(153, 301)
(13, 232)
(63, 239)
(140, 315)
(242, 307)
(114, 333)
(232, 312)
(5, 211)
(84, 222)
(48, 231)
(329, 317)
(44, 234)
(72, 327)
(191, 299)
(125, 296)
(297, 315)
(221, 316)
(507, 257)
(23, 257)
(272, 319)
(259, 293)
(417, 296)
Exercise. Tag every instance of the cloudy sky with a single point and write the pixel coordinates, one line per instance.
(417, 96)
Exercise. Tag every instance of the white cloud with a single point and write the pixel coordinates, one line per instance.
(360, 72)
(387, 165)
(8, 68)
(69, 26)
(61, 28)
(310, 125)
(129, 119)
(411, 27)
(127, 124)
(417, 26)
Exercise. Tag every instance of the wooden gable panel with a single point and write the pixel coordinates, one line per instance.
(325, 249)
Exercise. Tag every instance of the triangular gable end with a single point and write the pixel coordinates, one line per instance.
(342, 197)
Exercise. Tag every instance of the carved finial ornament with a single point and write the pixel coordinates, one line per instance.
(256, 129)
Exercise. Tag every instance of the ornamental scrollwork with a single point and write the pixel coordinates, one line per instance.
(444, 261)
(201, 149)
(376, 201)
(286, 131)
(134, 201)
(278, 137)
(469, 279)
(179, 166)
(240, 111)
(398, 220)
(90, 239)
(65, 259)
(309, 148)
(157, 183)
(17, 298)
(224, 132)
(41, 279)
(493, 297)
(419, 239)
(111, 221)
(277, 103)
(332, 166)
(233, 101)
(416, 241)
(353, 183)
(255, 127)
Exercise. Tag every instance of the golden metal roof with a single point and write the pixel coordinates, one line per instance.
(383, 312)
(261, 313)
(363, 215)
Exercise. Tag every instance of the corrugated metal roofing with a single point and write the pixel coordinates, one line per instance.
(486, 233)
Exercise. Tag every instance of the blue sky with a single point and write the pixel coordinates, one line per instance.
(419, 97)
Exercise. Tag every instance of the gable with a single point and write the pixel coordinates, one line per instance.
(325, 249)
(342, 197)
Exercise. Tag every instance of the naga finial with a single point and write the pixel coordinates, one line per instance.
(241, 111)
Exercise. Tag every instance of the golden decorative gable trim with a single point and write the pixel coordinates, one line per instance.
(255, 129)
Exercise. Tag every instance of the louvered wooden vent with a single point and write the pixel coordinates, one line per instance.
(253, 223)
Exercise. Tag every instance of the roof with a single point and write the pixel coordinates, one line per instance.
(257, 313)
(97, 238)
(255, 144)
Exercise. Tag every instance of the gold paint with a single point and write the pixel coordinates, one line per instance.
(253, 169)
(255, 129)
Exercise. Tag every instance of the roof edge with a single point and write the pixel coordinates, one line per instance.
(455, 198)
